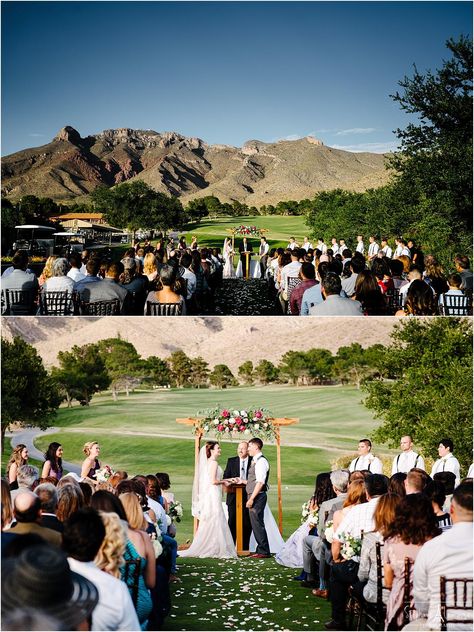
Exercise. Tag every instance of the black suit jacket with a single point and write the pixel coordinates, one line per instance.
(232, 470)
(248, 249)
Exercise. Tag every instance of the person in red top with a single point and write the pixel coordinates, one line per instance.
(307, 275)
(381, 269)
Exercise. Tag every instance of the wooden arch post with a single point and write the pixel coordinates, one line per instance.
(278, 422)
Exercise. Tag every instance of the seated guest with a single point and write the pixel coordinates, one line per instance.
(150, 267)
(188, 274)
(413, 274)
(7, 507)
(381, 268)
(447, 461)
(420, 301)
(434, 276)
(48, 496)
(415, 524)
(135, 284)
(448, 481)
(109, 557)
(334, 304)
(415, 482)
(436, 493)
(47, 272)
(83, 535)
(367, 291)
(19, 278)
(167, 293)
(83, 286)
(396, 484)
(75, 267)
(449, 555)
(59, 281)
(307, 275)
(454, 284)
(461, 263)
(27, 510)
(70, 500)
(27, 478)
(356, 265)
(396, 269)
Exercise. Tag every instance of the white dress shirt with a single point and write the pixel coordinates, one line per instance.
(58, 284)
(160, 514)
(263, 249)
(448, 463)
(191, 285)
(367, 462)
(307, 245)
(449, 554)
(261, 468)
(322, 247)
(75, 274)
(115, 610)
(387, 251)
(243, 468)
(470, 473)
(406, 251)
(360, 247)
(290, 270)
(292, 246)
(398, 251)
(335, 249)
(358, 518)
(373, 249)
(405, 461)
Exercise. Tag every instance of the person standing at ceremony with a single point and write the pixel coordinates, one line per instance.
(292, 245)
(360, 245)
(366, 460)
(447, 461)
(385, 250)
(373, 248)
(238, 467)
(245, 247)
(307, 245)
(263, 254)
(257, 486)
(407, 459)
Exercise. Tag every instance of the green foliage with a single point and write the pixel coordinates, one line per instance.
(82, 372)
(222, 376)
(430, 395)
(246, 372)
(181, 367)
(294, 366)
(266, 372)
(29, 395)
(157, 372)
(135, 205)
(199, 372)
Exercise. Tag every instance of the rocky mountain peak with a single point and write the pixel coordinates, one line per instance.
(68, 134)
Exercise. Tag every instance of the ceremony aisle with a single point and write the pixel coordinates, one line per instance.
(243, 594)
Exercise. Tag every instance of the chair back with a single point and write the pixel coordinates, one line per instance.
(456, 595)
(164, 309)
(455, 305)
(18, 302)
(100, 308)
(56, 303)
(408, 606)
(131, 571)
(394, 300)
(291, 283)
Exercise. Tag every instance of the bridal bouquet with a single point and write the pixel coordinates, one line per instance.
(103, 475)
(252, 422)
(329, 531)
(351, 546)
(306, 513)
(176, 511)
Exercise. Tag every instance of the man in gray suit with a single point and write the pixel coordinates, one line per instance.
(106, 289)
(313, 545)
(334, 304)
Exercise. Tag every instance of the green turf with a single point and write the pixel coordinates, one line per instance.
(211, 232)
(242, 594)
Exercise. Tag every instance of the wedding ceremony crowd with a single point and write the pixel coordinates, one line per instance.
(98, 551)
(176, 278)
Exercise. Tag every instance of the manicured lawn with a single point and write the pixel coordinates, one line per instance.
(242, 594)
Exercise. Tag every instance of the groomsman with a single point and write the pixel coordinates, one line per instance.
(447, 461)
(292, 245)
(334, 246)
(407, 459)
(385, 250)
(366, 460)
(263, 254)
(373, 248)
(257, 485)
(238, 467)
(307, 244)
(360, 245)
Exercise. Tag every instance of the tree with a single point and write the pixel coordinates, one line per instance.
(82, 372)
(246, 372)
(320, 365)
(199, 372)
(353, 365)
(222, 376)
(123, 364)
(29, 395)
(181, 368)
(436, 151)
(266, 372)
(157, 372)
(430, 395)
(294, 366)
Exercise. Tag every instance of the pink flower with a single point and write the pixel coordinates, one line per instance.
(258, 414)
(225, 413)
(220, 427)
(238, 420)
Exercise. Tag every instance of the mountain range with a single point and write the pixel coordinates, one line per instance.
(71, 167)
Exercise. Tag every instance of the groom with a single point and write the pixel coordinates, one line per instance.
(257, 485)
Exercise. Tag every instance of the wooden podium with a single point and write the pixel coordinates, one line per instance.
(277, 422)
(237, 489)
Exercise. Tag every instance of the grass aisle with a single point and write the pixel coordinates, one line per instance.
(243, 594)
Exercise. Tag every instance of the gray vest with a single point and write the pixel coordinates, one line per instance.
(252, 481)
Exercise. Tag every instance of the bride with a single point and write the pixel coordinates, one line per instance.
(228, 254)
(213, 537)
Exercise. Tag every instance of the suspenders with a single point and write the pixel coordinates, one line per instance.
(416, 461)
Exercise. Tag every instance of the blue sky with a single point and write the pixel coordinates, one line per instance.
(226, 72)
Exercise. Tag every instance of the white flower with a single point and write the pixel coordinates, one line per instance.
(265, 425)
(216, 422)
(157, 547)
(206, 428)
(257, 426)
(168, 520)
(231, 420)
(247, 432)
(235, 413)
(227, 430)
(243, 413)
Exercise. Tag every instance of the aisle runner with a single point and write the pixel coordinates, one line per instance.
(245, 297)
(244, 594)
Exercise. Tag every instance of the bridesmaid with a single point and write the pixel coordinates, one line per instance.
(91, 463)
(53, 465)
(18, 458)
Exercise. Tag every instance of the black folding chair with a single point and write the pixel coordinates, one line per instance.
(100, 308)
(18, 302)
(56, 303)
(164, 309)
(456, 595)
(455, 305)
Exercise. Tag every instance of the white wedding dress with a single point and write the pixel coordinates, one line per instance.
(275, 540)
(213, 537)
(228, 254)
(291, 554)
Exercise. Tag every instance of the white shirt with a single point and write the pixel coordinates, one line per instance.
(191, 286)
(360, 247)
(470, 473)
(406, 251)
(449, 554)
(405, 461)
(292, 246)
(359, 518)
(367, 462)
(58, 284)
(373, 249)
(335, 249)
(290, 270)
(448, 463)
(115, 610)
(263, 249)
(261, 468)
(322, 247)
(75, 274)
(387, 251)
(307, 245)
(160, 514)
(398, 251)
(243, 468)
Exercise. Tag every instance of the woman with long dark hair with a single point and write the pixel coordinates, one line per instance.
(18, 458)
(367, 291)
(53, 464)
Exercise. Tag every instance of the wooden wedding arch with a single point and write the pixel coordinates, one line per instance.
(277, 422)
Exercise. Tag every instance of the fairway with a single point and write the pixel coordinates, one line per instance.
(139, 434)
(212, 232)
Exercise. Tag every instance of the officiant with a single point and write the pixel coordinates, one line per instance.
(245, 247)
(238, 467)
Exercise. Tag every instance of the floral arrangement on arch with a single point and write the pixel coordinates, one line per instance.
(253, 231)
(227, 422)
